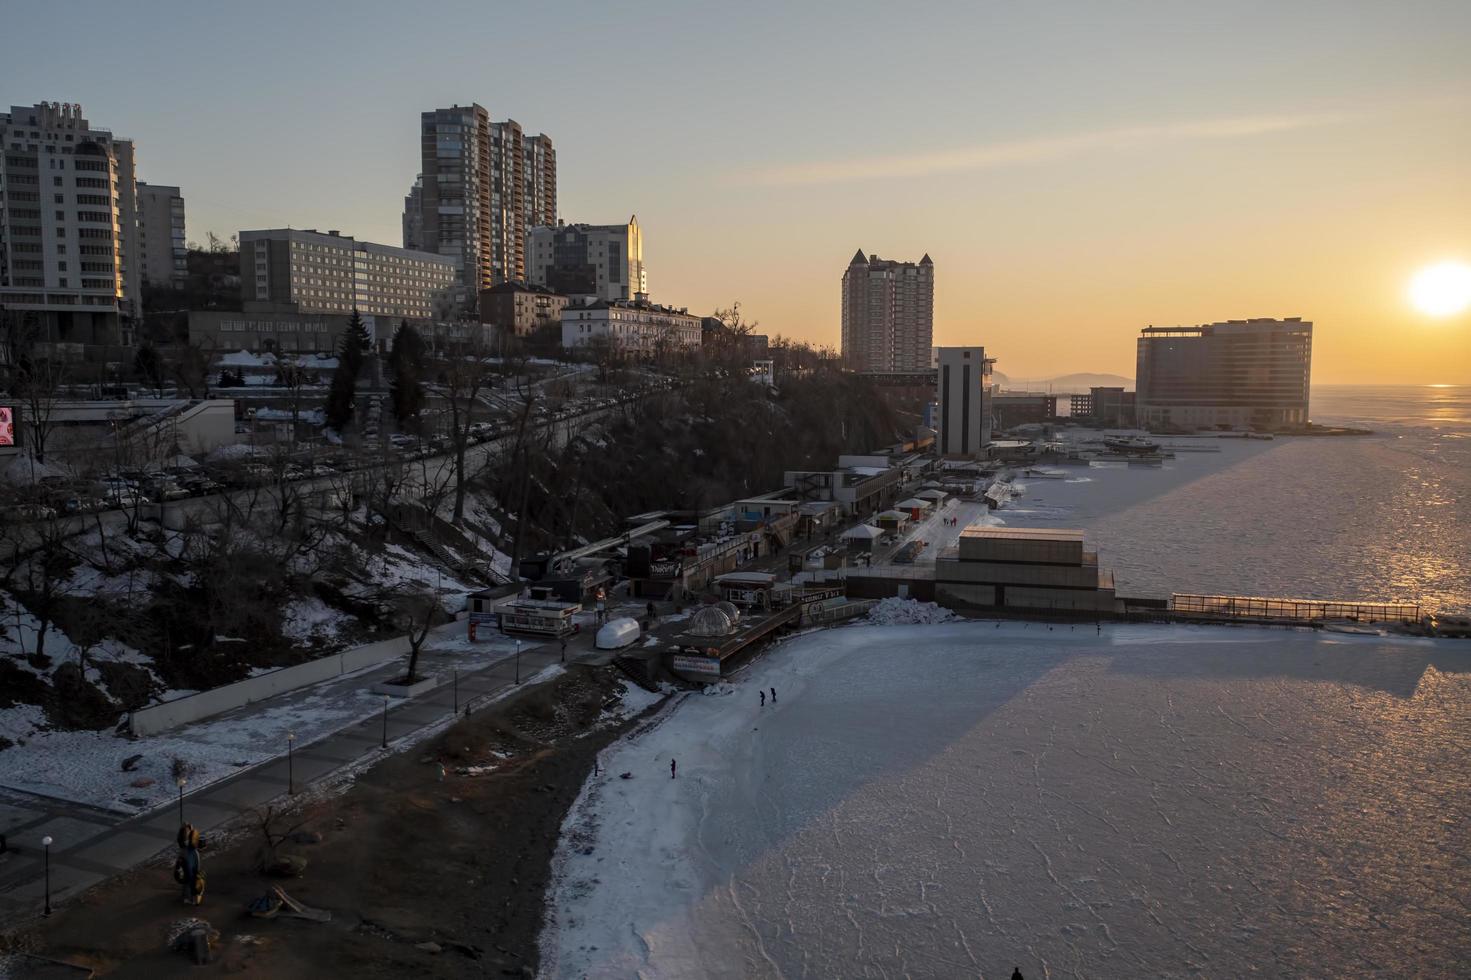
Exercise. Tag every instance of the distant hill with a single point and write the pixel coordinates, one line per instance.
(1065, 383)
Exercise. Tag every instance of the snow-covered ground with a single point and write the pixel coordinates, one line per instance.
(938, 535)
(86, 767)
(959, 799)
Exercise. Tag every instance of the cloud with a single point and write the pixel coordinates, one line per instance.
(1013, 152)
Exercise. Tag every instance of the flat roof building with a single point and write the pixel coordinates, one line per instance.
(69, 253)
(1237, 374)
(161, 237)
(964, 393)
(312, 272)
(601, 261)
(1023, 568)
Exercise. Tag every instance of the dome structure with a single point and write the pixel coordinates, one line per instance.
(730, 610)
(710, 621)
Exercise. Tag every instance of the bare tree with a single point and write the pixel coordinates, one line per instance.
(462, 380)
(38, 385)
(416, 609)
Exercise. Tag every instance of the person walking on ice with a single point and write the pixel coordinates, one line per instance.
(763, 699)
(673, 765)
(773, 695)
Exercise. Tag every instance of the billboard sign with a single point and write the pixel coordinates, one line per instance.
(701, 667)
(7, 427)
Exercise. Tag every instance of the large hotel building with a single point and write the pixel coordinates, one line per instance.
(69, 254)
(888, 314)
(1238, 374)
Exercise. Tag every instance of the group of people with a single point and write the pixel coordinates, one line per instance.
(951, 522)
(773, 697)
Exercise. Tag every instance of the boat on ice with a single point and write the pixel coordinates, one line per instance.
(618, 633)
(1131, 444)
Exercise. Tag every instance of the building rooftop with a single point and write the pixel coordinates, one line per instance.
(1022, 533)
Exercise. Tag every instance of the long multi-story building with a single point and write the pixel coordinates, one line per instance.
(964, 395)
(605, 262)
(311, 272)
(69, 249)
(1236, 374)
(161, 238)
(482, 185)
(634, 327)
(888, 314)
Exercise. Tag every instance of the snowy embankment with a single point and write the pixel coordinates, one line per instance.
(86, 767)
(963, 798)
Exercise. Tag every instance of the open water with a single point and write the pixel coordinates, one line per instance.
(1379, 517)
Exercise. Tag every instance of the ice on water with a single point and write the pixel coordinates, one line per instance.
(959, 799)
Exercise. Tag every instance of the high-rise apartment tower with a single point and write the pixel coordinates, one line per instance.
(888, 314)
(69, 251)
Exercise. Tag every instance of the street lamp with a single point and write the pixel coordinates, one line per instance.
(290, 765)
(46, 843)
(385, 721)
(181, 781)
(518, 661)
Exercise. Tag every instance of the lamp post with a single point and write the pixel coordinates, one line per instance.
(457, 691)
(181, 781)
(46, 843)
(385, 721)
(518, 661)
(290, 765)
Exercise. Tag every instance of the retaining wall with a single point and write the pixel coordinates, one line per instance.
(171, 714)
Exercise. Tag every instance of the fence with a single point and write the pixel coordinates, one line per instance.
(180, 711)
(1303, 610)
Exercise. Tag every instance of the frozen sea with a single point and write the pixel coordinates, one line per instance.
(958, 800)
(1381, 517)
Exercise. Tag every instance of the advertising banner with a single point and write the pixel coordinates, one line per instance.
(703, 667)
(7, 427)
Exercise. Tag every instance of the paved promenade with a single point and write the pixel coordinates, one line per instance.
(90, 845)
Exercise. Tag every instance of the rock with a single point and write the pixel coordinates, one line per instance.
(142, 782)
(131, 762)
(287, 866)
(306, 837)
(429, 947)
(625, 775)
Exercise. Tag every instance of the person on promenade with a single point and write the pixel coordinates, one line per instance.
(188, 870)
(1016, 973)
(672, 766)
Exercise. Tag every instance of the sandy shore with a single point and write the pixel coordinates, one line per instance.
(423, 873)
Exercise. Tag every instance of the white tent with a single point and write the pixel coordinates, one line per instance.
(892, 515)
(914, 503)
(933, 495)
(862, 532)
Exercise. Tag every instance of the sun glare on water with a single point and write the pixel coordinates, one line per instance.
(1442, 290)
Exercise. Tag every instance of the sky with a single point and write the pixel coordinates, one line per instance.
(1076, 170)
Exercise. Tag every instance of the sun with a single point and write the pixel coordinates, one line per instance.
(1442, 290)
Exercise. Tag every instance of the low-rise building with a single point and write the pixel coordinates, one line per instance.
(516, 309)
(863, 485)
(1107, 407)
(1012, 408)
(1042, 569)
(276, 332)
(634, 327)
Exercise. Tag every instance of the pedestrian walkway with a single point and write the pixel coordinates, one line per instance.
(91, 845)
